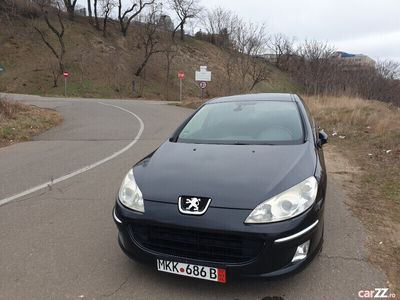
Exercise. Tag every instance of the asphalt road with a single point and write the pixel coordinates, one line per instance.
(60, 242)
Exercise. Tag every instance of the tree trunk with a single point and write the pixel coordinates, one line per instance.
(89, 4)
(182, 32)
(175, 30)
(96, 18)
(253, 85)
(105, 25)
(71, 12)
(60, 35)
(55, 78)
(141, 67)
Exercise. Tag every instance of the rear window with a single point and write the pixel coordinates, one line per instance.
(256, 122)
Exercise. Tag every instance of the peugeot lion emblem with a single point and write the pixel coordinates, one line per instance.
(190, 205)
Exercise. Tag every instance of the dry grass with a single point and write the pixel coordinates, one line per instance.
(10, 110)
(20, 122)
(371, 147)
(346, 113)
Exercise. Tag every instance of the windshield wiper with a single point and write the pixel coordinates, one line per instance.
(263, 144)
(241, 143)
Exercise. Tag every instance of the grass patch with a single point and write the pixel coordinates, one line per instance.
(78, 89)
(20, 122)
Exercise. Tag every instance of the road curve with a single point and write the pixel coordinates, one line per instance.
(59, 242)
(54, 181)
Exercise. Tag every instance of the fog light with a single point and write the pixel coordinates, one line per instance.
(301, 252)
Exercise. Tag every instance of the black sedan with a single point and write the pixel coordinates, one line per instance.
(238, 189)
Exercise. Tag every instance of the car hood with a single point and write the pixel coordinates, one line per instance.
(233, 176)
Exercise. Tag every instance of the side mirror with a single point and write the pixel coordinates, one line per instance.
(322, 138)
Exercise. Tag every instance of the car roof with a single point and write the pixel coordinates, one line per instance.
(255, 97)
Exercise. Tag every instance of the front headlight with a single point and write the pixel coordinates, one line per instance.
(287, 204)
(130, 194)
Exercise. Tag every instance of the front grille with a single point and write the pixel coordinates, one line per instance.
(195, 244)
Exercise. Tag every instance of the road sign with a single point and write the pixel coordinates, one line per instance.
(66, 74)
(203, 74)
(181, 75)
(203, 84)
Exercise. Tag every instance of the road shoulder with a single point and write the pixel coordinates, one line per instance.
(20, 122)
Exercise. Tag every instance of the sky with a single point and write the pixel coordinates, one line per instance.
(370, 27)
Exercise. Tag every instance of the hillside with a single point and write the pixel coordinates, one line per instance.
(105, 66)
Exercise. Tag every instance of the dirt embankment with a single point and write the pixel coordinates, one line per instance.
(104, 67)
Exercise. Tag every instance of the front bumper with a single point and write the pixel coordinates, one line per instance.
(278, 241)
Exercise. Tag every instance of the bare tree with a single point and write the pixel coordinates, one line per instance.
(259, 71)
(125, 17)
(184, 9)
(59, 33)
(249, 41)
(107, 6)
(217, 19)
(70, 6)
(282, 49)
(386, 85)
(150, 38)
(219, 24)
(319, 69)
(388, 69)
(315, 65)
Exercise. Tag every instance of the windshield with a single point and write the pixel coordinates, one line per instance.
(256, 122)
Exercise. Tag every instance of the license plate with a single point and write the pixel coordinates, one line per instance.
(196, 271)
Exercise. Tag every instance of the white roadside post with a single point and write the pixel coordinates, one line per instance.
(203, 76)
(66, 75)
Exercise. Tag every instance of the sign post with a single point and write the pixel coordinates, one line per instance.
(181, 76)
(66, 75)
(203, 76)
(203, 85)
